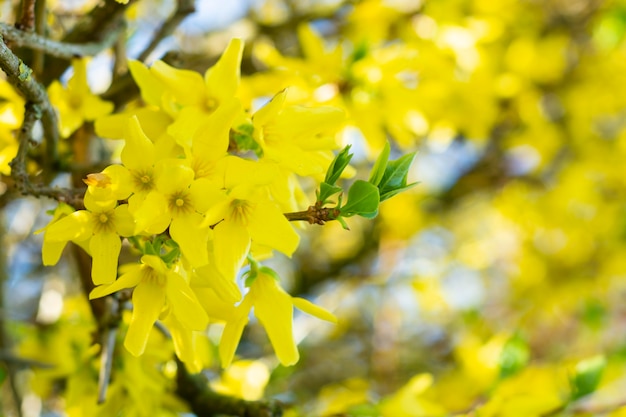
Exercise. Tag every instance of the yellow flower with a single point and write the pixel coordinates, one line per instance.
(103, 223)
(297, 137)
(274, 309)
(156, 288)
(191, 98)
(76, 103)
(179, 200)
(241, 212)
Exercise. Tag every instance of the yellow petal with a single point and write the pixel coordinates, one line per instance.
(51, 252)
(314, 310)
(187, 123)
(270, 111)
(78, 81)
(192, 239)
(112, 126)
(219, 204)
(173, 176)
(156, 263)
(209, 276)
(204, 195)
(187, 86)
(232, 243)
(128, 280)
(149, 212)
(232, 332)
(215, 307)
(268, 226)
(222, 80)
(99, 202)
(274, 309)
(312, 44)
(184, 344)
(121, 185)
(211, 140)
(74, 226)
(93, 107)
(148, 300)
(105, 251)
(124, 221)
(138, 152)
(151, 88)
(304, 123)
(184, 303)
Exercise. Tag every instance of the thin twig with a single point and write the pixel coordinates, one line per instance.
(27, 18)
(19, 173)
(94, 26)
(183, 9)
(314, 215)
(20, 76)
(41, 12)
(29, 40)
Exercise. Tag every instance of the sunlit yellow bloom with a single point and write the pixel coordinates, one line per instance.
(297, 138)
(76, 103)
(274, 309)
(140, 158)
(191, 97)
(103, 223)
(156, 288)
(178, 200)
(244, 213)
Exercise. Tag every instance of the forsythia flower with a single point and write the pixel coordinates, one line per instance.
(188, 97)
(103, 222)
(157, 288)
(293, 136)
(76, 103)
(241, 213)
(274, 309)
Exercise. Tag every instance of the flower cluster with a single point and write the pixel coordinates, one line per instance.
(200, 191)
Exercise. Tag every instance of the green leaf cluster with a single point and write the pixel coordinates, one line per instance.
(386, 179)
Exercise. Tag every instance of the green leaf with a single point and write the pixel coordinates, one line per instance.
(394, 178)
(378, 170)
(244, 138)
(363, 199)
(337, 166)
(514, 356)
(587, 375)
(326, 191)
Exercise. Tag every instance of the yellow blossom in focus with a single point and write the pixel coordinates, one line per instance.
(156, 287)
(274, 309)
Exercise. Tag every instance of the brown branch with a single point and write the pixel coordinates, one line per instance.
(183, 9)
(314, 215)
(27, 18)
(20, 76)
(20, 38)
(18, 165)
(95, 26)
(41, 13)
